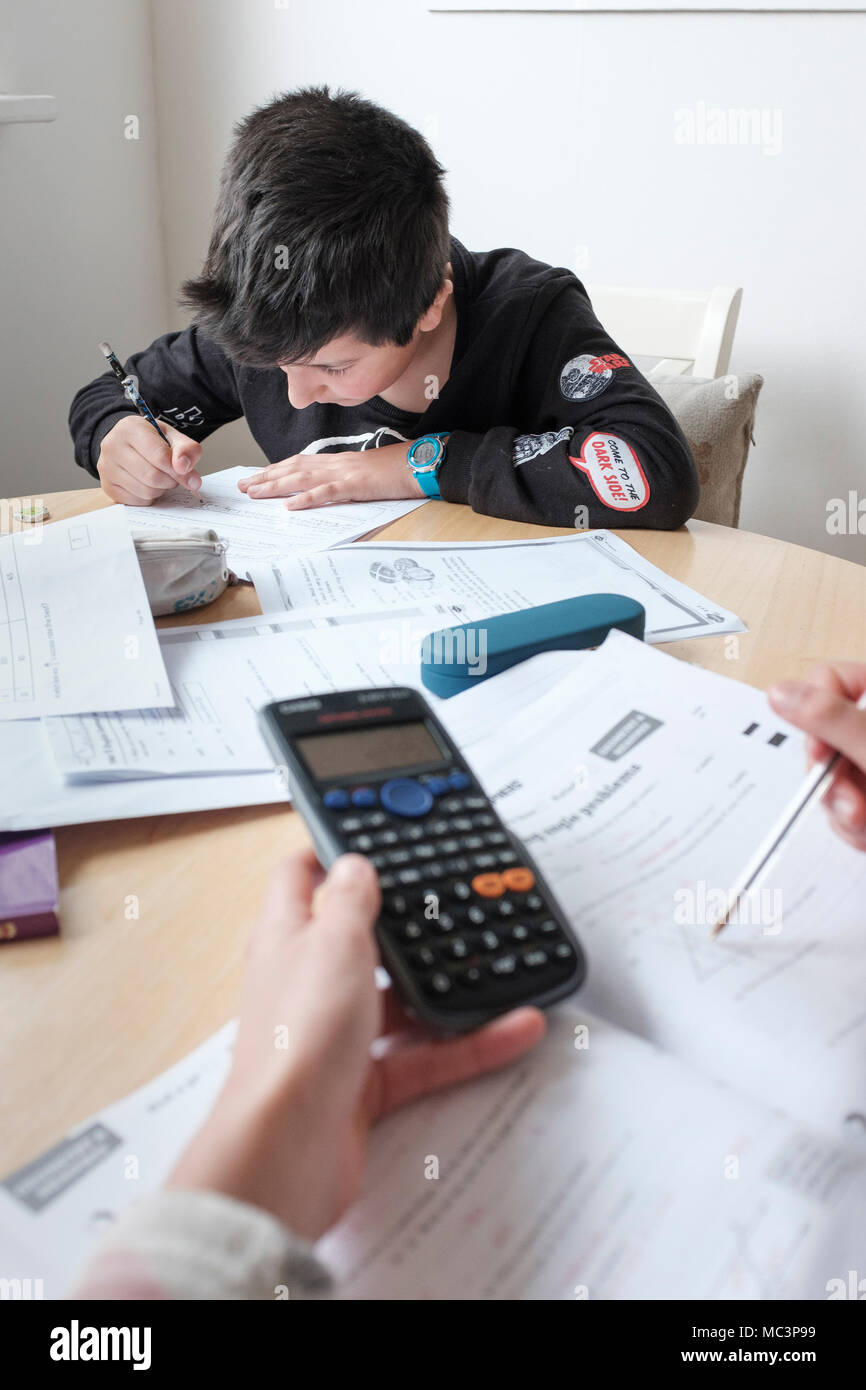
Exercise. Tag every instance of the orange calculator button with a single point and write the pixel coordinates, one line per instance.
(489, 885)
(518, 880)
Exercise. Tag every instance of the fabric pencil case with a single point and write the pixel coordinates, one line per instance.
(182, 571)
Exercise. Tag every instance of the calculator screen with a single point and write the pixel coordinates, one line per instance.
(353, 752)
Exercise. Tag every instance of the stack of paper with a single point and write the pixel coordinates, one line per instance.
(691, 1127)
(348, 617)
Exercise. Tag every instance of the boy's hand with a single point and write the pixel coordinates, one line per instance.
(319, 480)
(135, 467)
(826, 708)
(289, 1131)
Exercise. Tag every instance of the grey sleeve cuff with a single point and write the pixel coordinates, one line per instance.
(204, 1245)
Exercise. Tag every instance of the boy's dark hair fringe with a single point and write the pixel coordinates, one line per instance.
(332, 218)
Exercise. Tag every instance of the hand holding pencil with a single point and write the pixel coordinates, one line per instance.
(830, 708)
(141, 459)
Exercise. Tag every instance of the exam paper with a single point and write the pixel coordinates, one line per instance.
(259, 531)
(641, 785)
(55, 1210)
(75, 626)
(218, 692)
(34, 794)
(595, 1167)
(598, 1168)
(480, 579)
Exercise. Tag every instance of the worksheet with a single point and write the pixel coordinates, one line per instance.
(599, 1168)
(59, 1206)
(594, 1168)
(75, 626)
(34, 794)
(641, 786)
(261, 531)
(221, 678)
(480, 579)
(218, 692)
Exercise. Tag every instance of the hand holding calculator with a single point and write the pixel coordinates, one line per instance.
(468, 928)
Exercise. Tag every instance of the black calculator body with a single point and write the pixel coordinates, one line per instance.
(468, 927)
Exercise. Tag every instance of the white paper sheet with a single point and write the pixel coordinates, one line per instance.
(64, 1202)
(257, 531)
(480, 579)
(219, 690)
(75, 625)
(640, 785)
(612, 1172)
(33, 793)
(599, 1171)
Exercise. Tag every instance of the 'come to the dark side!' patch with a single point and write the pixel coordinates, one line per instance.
(614, 472)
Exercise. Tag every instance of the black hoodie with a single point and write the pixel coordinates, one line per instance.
(549, 420)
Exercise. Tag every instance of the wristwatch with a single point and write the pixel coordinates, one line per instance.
(425, 460)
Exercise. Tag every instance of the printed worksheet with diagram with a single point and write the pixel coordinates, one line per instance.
(480, 579)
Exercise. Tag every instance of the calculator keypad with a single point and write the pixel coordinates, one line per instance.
(457, 904)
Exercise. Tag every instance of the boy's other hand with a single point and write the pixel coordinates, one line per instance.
(135, 467)
(320, 480)
(289, 1131)
(825, 707)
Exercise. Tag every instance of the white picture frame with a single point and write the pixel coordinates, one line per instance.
(602, 6)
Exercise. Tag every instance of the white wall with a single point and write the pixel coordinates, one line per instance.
(558, 132)
(81, 254)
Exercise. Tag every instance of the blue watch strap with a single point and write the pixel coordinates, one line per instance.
(426, 473)
(428, 483)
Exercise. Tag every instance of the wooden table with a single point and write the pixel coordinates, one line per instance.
(88, 1016)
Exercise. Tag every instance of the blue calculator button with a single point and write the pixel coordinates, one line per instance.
(438, 785)
(403, 797)
(458, 781)
(336, 800)
(364, 796)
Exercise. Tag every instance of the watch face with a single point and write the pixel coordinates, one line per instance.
(425, 452)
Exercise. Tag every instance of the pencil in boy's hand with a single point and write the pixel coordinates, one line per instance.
(135, 398)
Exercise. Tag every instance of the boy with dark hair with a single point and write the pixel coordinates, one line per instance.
(373, 356)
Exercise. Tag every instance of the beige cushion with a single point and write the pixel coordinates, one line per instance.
(717, 418)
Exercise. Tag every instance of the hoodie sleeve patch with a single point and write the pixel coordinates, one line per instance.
(585, 377)
(614, 472)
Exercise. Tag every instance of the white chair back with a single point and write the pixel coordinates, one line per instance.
(692, 331)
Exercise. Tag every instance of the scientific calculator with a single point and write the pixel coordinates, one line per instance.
(468, 927)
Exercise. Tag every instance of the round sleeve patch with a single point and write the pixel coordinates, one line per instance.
(614, 472)
(585, 377)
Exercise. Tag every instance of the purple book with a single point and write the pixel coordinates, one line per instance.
(28, 886)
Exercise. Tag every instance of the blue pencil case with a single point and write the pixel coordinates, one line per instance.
(455, 658)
